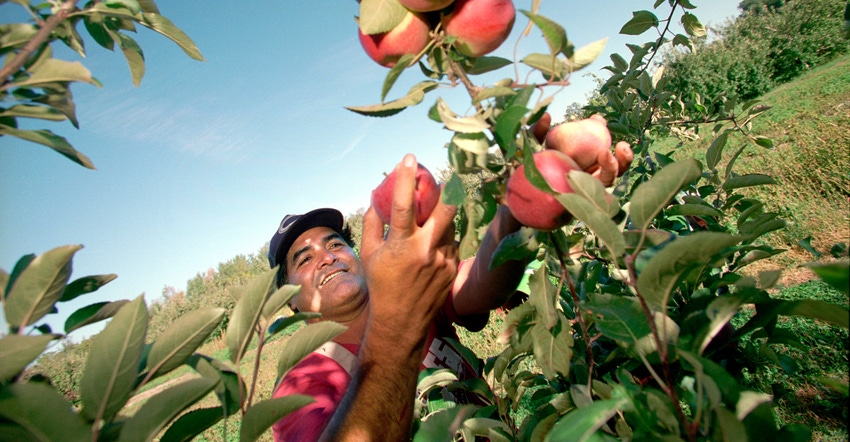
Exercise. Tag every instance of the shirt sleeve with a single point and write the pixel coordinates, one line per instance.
(323, 379)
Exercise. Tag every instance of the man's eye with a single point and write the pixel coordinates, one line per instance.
(303, 261)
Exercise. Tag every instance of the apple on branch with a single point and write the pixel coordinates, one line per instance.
(410, 36)
(425, 197)
(479, 26)
(533, 207)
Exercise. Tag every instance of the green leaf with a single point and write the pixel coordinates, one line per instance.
(246, 314)
(413, 97)
(281, 324)
(693, 210)
(520, 245)
(590, 188)
(134, 55)
(543, 297)
(486, 64)
(377, 16)
(580, 424)
(453, 194)
(165, 27)
(37, 289)
(262, 415)
(491, 92)
(662, 272)
(836, 274)
(402, 64)
(442, 424)
(507, 126)
(817, 309)
(587, 54)
(715, 151)
(52, 70)
(552, 67)
(231, 391)
(752, 179)
(113, 361)
(553, 348)
(32, 111)
(42, 412)
(555, 35)
(191, 424)
(468, 125)
(163, 407)
(51, 140)
(304, 341)
(598, 222)
(279, 299)
(62, 102)
(618, 317)
(640, 22)
(17, 351)
(764, 142)
(92, 313)
(653, 195)
(84, 285)
(692, 25)
(182, 338)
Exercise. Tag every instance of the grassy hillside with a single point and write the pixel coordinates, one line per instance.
(808, 122)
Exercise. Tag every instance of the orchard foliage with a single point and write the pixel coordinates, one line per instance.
(626, 333)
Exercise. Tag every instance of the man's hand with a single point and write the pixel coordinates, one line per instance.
(409, 274)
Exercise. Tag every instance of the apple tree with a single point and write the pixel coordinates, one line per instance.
(627, 332)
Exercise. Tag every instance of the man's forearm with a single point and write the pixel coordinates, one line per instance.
(378, 405)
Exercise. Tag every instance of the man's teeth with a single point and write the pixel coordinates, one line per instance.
(331, 276)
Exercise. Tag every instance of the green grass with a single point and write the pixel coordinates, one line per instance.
(808, 122)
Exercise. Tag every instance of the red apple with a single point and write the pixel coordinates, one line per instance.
(408, 37)
(533, 207)
(541, 127)
(479, 26)
(425, 5)
(425, 197)
(581, 140)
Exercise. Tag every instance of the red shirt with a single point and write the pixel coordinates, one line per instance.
(326, 380)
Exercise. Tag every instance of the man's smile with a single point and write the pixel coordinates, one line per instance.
(331, 276)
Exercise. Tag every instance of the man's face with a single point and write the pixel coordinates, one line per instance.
(331, 276)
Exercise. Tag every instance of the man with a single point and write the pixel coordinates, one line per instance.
(398, 302)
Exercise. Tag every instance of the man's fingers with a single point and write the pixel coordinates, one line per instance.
(607, 167)
(373, 233)
(403, 216)
(624, 155)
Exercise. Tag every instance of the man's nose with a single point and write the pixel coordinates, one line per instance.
(327, 257)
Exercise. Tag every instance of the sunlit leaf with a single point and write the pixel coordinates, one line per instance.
(555, 35)
(92, 313)
(377, 16)
(492, 92)
(113, 361)
(305, 341)
(42, 412)
(472, 124)
(598, 222)
(580, 424)
(53, 70)
(163, 407)
(662, 272)
(394, 73)
(413, 97)
(134, 55)
(246, 314)
(279, 299)
(165, 27)
(587, 54)
(552, 67)
(32, 111)
(692, 25)
(18, 351)
(182, 338)
(262, 415)
(652, 196)
(37, 289)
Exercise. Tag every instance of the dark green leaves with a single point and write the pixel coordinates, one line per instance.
(163, 407)
(261, 416)
(304, 341)
(181, 339)
(640, 22)
(17, 351)
(246, 314)
(41, 413)
(650, 197)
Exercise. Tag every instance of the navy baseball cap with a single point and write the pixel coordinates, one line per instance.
(292, 226)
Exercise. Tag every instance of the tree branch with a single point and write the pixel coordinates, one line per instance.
(37, 40)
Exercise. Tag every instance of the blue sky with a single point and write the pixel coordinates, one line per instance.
(201, 161)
